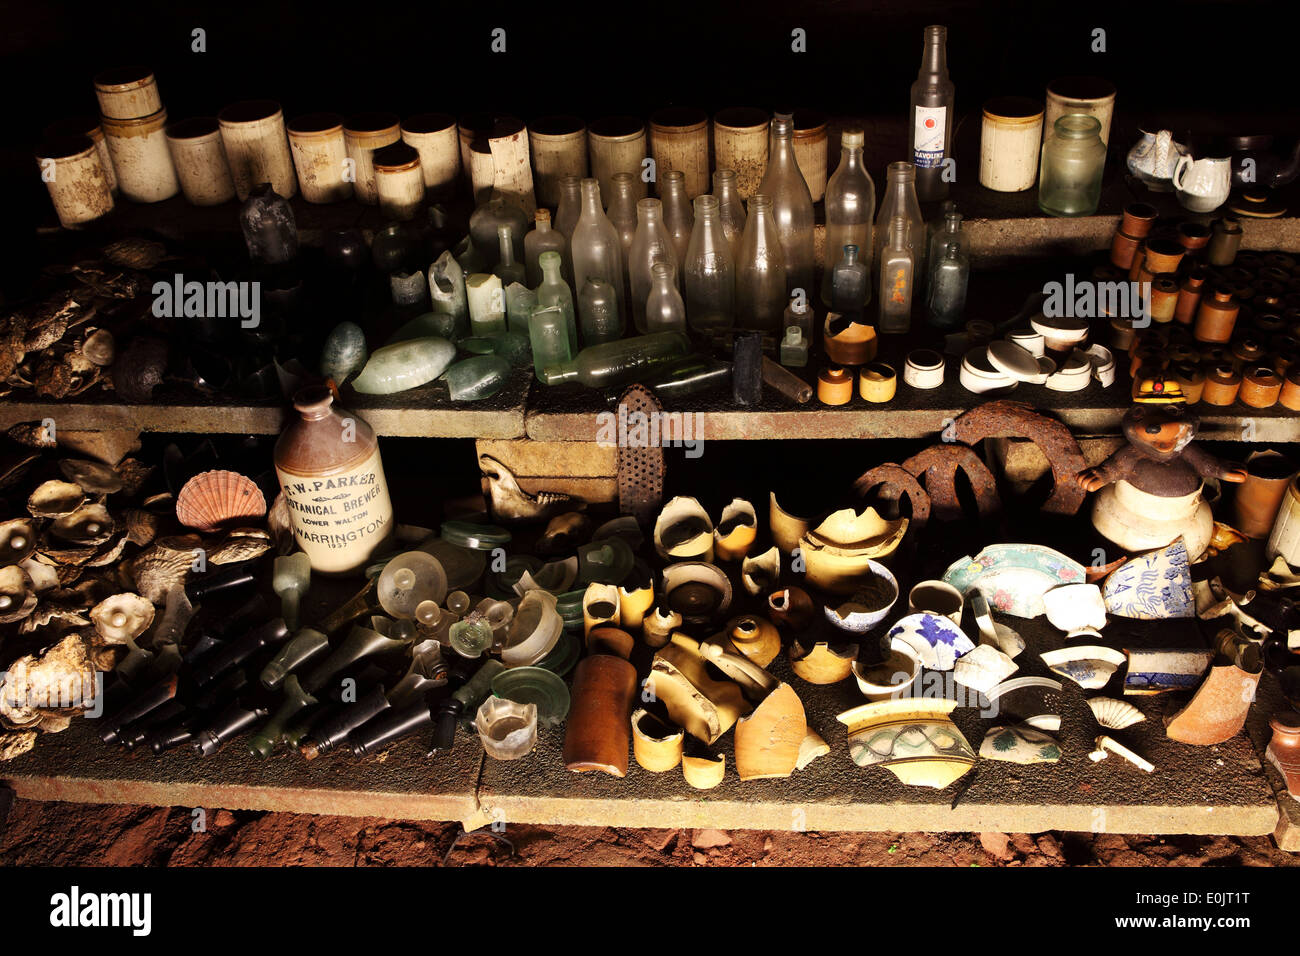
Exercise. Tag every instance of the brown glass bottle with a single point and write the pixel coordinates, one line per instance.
(330, 471)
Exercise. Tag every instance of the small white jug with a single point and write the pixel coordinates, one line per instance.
(1203, 184)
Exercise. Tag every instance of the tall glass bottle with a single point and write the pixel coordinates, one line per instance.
(849, 283)
(543, 238)
(710, 271)
(554, 293)
(678, 218)
(622, 213)
(596, 248)
(651, 242)
(949, 231)
(930, 118)
(731, 210)
(897, 271)
(598, 317)
(948, 285)
(900, 200)
(664, 308)
(792, 205)
(507, 269)
(850, 204)
(761, 272)
(566, 217)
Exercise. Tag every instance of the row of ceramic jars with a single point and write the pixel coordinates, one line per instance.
(1260, 372)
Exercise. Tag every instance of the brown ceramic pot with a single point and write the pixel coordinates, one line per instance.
(1259, 497)
(1193, 236)
(1260, 387)
(1218, 710)
(1290, 397)
(598, 730)
(1284, 749)
(1138, 219)
(1164, 298)
(1221, 386)
(1216, 317)
(835, 385)
(1189, 297)
(1190, 379)
(1123, 249)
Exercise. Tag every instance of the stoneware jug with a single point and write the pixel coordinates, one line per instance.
(1202, 184)
(1153, 158)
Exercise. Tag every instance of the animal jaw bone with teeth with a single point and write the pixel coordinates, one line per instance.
(511, 503)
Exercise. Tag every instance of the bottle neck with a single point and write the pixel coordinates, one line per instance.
(550, 271)
(851, 158)
(781, 141)
(649, 211)
(898, 230)
(934, 58)
(507, 247)
(591, 199)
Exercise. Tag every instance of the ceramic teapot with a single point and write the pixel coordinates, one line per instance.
(1202, 184)
(1153, 158)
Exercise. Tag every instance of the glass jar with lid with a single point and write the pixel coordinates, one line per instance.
(1069, 175)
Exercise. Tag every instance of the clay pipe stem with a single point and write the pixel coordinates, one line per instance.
(786, 382)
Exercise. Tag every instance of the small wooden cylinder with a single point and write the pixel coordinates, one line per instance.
(740, 144)
(140, 155)
(200, 161)
(320, 157)
(85, 126)
(679, 140)
(435, 137)
(399, 182)
(257, 148)
(364, 133)
(598, 730)
(810, 151)
(1010, 143)
(75, 179)
(128, 92)
(1080, 94)
(558, 145)
(616, 144)
(500, 169)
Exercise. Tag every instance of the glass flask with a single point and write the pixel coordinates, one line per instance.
(598, 317)
(1069, 176)
(897, 270)
(483, 223)
(595, 247)
(543, 238)
(651, 242)
(731, 210)
(622, 213)
(948, 286)
(566, 216)
(849, 282)
(664, 308)
(930, 117)
(900, 200)
(555, 292)
(792, 205)
(677, 215)
(850, 203)
(620, 362)
(548, 333)
(760, 273)
(710, 271)
(507, 269)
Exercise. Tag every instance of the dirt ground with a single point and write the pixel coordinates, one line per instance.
(56, 834)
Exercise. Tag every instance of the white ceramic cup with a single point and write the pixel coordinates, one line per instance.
(936, 597)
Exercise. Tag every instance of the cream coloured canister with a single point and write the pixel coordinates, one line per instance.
(141, 157)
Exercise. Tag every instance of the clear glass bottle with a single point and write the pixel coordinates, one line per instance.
(948, 230)
(483, 223)
(850, 204)
(651, 242)
(595, 246)
(760, 273)
(622, 213)
(677, 215)
(543, 238)
(849, 283)
(897, 271)
(794, 347)
(566, 217)
(664, 308)
(731, 209)
(618, 363)
(554, 292)
(1069, 176)
(900, 200)
(930, 117)
(710, 271)
(548, 334)
(598, 317)
(521, 302)
(507, 269)
(948, 285)
(792, 205)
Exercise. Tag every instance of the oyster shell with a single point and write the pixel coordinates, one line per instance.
(17, 540)
(99, 348)
(139, 369)
(166, 564)
(93, 476)
(122, 617)
(54, 499)
(32, 434)
(141, 526)
(89, 524)
(242, 544)
(61, 677)
(17, 595)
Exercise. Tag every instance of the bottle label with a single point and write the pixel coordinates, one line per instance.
(929, 134)
(339, 520)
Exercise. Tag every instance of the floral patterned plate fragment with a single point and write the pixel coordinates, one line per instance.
(937, 641)
(1020, 743)
(1153, 586)
(1014, 577)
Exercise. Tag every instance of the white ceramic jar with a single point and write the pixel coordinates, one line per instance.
(1010, 140)
(128, 92)
(435, 137)
(257, 147)
(200, 160)
(141, 157)
(364, 133)
(320, 157)
(75, 179)
(399, 183)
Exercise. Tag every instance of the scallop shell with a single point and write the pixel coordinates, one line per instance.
(17, 540)
(1115, 714)
(135, 253)
(141, 526)
(89, 524)
(215, 498)
(122, 617)
(17, 595)
(54, 499)
(242, 544)
(93, 476)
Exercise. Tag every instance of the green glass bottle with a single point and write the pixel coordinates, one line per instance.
(620, 362)
(554, 292)
(548, 333)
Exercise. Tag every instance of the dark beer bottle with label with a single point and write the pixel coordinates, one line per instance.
(930, 119)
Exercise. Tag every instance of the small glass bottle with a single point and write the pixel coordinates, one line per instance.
(595, 245)
(710, 271)
(664, 308)
(760, 274)
(543, 238)
(507, 269)
(794, 347)
(521, 302)
(731, 209)
(930, 119)
(948, 286)
(1069, 176)
(677, 215)
(622, 213)
(850, 203)
(548, 334)
(948, 230)
(566, 217)
(900, 200)
(598, 316)
(792, 205)
(897, 270)
(849, 283)
(554, 292)
(651, 242)
(618, 363)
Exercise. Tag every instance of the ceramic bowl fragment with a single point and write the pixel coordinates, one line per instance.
(1077, 609)
(869, 604)
(754, 637)
(761, 573)
(791, 607)
(1153, 586)
(838, 554)
(735, 531)
(768, 739)
(1088, 665)
(822, 663)
(1031, 700)
(935, 638)
(913, 737)
(1020, 743)
(704, 707)
(1158, 670)
(810, 748)
(893, 676)
(1014, 577)
(704, 773)
(786, 528)
(697, 590)
(983, 668)
(684, 531)
(656, 746)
